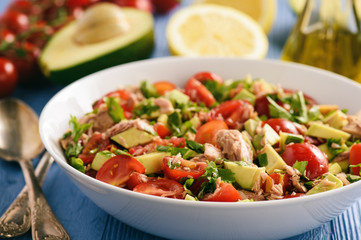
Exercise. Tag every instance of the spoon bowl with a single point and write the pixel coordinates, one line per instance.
(20, 141)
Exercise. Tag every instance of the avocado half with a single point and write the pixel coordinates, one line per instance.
(64, 61)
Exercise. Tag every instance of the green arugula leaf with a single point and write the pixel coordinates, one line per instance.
(197, 147)
(146, 107)
(77, 129)
(277, 111)
(73, 150)
(115, 111)
(335, 150)
(78, 164)
(353, 178)
(262, 160)
(185, 152)
(148, 89)
(300, 166)
(175, 123)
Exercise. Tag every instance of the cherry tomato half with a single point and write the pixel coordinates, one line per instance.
(208, 131)
(163, 86)
(208, 76)
(95, 142)
(317, 160)
(137, 178)
(281, 124)
(233, 112)
(184, 169)
(8, 77)
(162, 187)
(225, 192)
(355, 158)
(117, 170)
(162, 130)
(198, 92)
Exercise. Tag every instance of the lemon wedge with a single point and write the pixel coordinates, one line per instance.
(214, 30)
(262, 11)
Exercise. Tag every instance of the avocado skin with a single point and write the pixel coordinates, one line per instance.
(138, 50)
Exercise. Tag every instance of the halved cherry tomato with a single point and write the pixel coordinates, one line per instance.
(208, 76)
(355, 158)
(281, 124)
(117, 170)
(278, 178)
(198, 92)
(137, 178)
(225, 192)
(183, 169)
(162, 188)
(162, 130)
(317, 160)
(8, 77)
(15, 21)
(233, 112)
(96, 142)
(126, 104)
(294, 195)
(163, 87)
(208, 131)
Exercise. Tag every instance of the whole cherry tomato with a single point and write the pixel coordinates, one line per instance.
(25, 56)
(164, 6)
(281, 124)
(355, 158)
(15, 21)
(8, 77)
(317, 163)
(208, 131)
(117, 170)
(145, 5)
(162, 187)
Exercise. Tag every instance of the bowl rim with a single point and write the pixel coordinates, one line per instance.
(257, 204)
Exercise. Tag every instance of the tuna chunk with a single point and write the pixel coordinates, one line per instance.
(354, 126)
(165, 106)
(212, 153)
(124, 125)
(234, 146)
(101, 121)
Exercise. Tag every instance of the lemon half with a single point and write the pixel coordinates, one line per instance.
(262, 11)
(214, 30)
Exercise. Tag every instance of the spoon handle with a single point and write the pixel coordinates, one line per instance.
(44, 223)
(16, 219)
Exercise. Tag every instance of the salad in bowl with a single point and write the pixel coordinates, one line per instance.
(216, 139)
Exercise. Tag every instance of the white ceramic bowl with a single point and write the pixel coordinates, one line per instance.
(178, 219)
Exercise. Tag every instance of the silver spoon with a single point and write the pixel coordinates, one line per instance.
(16, 220)
(20, 141)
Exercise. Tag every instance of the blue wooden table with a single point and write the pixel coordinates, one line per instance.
(83, 219)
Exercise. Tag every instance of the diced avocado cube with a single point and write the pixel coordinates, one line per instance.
(323, 131)
(272, 160)
(244, 94)
(163, 119)
(324, 148)
(267, 136)
(287, 138)
(100, 158)
(152, 161)
(246, 137)
(325, 185)
(196, 122)
(250, 126)
(336, 119)
(246, 176)
(132, 137)
(177, 97)
(334, 168)
(190, 198)
(344, 164)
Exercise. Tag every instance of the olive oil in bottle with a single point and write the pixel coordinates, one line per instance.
(327, 35)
